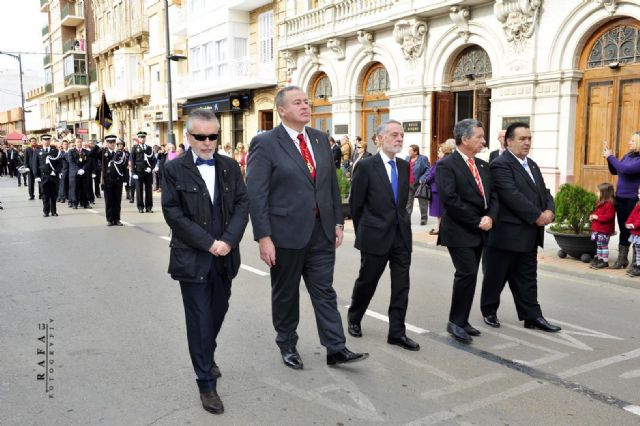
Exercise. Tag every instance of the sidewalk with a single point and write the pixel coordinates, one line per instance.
(548, 259)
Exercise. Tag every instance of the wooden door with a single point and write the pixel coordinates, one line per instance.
(442, 121)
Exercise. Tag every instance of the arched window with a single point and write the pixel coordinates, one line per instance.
(375, 103)
(321, 93)
(473, 63)
(620, 44)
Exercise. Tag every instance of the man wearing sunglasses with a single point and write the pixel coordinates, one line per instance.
(204, 201)
(296, 214)
(143, 161)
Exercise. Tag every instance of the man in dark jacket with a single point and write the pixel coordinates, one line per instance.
(204, 201)
(142, 162)
(113, 166)
(48, 169)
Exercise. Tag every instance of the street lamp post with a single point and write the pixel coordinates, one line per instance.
(19, 59)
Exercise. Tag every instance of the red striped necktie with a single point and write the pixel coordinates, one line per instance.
(476, 175)
(306, 156)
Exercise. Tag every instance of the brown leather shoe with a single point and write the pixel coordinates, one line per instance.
(211, 402)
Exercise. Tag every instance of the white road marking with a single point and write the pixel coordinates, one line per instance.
(504, 346)
(254, 270)
(554, 355)
(127, 223)
(435, 371)
(456, 387)
(585, 368)
(633, 409)
(385, 318)
(93, 211)
(474, 405)
(166, 238)
(630, 374)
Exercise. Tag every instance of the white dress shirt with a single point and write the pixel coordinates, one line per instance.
(208, 174)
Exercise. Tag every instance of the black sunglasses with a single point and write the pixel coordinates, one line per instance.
(201, 138)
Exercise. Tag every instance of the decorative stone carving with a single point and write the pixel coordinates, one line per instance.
(290, 58)
(460, 18)
(411, 34)
(609, 5)
(336, 45)
(311, 52)
(365, 38)
(518, 18)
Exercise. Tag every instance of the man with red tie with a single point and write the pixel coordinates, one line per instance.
(296, 214)
(469, 211)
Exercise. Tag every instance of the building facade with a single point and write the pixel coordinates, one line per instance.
(570, 68)
(67, 68)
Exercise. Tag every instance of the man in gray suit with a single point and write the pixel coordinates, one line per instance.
(296, 214)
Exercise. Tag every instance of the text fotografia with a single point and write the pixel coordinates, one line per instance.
(45, 353)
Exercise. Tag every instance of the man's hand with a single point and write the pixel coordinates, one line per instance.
(339, 236)
(545, 218)
(593, 217)
(93, 175)
(135, 177)
(37, 179)
(486, 223)
(220, 248)
(80, 172)
(629, 226)
(267, 251)
(148, 170)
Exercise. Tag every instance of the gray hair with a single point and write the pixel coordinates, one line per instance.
(280, 95)
(464, 128)
(202, 114)
(383, 127)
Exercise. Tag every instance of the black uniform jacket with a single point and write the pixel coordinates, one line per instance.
(186, 206)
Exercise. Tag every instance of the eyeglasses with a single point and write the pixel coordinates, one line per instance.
(201, 138)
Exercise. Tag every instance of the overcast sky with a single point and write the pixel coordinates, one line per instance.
(20, 32)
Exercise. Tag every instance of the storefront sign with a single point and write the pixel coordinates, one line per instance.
(222, 104)
(412, 126)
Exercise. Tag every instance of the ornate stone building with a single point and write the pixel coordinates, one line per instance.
(570, 68)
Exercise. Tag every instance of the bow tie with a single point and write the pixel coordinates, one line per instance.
(200, 162)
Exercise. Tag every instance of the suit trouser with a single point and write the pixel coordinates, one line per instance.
(112, 200)
(82, 190)
(32, 184)
(521, 271)
(422, 203)
(145, 180)
(62, 193)
(49, 196)
(371, 269)
(315, 264)
(205, 305)
(466, 261)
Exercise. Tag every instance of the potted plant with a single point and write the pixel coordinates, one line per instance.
(572, 229)
(345, 186)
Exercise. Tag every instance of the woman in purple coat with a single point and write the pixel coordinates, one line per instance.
(435, 208)
(628, 171)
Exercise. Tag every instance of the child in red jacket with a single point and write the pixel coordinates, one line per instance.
(633, 225)
(603, 225)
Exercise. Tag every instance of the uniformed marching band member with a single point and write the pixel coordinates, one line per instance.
(113, 167)
(142, 163)
(48, 175)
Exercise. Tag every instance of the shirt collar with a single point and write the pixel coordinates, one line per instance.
(463, 155)
(385, 158)
(523, 162)
(293, 134)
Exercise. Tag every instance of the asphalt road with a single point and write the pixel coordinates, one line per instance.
(98, 302)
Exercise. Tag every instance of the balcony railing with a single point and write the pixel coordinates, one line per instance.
(126, 31)
(75, 80)
(72, 46)
(128, 89)
(72, 14)
(46, 60)
(45, 30)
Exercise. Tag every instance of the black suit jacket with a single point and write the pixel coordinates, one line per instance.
(494, 154)
(374, 211)
(282, 195)
(139, 158)
(186, 208)
(44, 169)
(337, 155)
(30, 159)
(462, 201)
(521, 203)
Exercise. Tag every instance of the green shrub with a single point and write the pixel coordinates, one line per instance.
(343, 183)
(573, 206)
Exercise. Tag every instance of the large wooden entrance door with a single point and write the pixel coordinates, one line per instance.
(608, 102)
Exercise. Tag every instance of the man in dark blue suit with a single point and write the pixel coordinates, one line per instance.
(470, 208)
(204, 202)
(378, 201)
(526, 207)
(296, 215)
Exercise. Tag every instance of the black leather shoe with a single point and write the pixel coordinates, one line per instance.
(31, 198)
(471, 330)
(405, 343)
(291, 358)
(354, 329)
(211, 402)
(345, 356)
(149, 210)
(45, 214)
(110, 223)
(492, 320)
(140, 210)
(215, 370)
(118, 223)
(541, 324)
(54, 214)
(458, 333)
